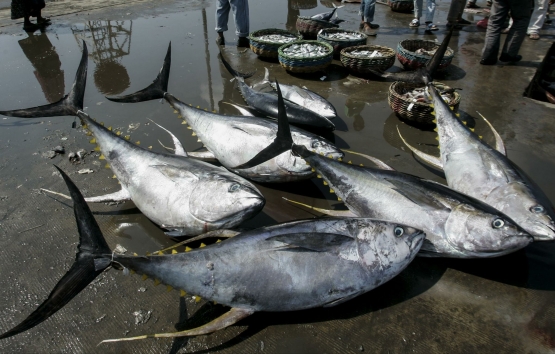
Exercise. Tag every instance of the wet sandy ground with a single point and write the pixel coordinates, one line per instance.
(498, 305)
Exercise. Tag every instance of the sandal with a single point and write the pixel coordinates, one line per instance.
(534, 36)
(431, 27)
(414, 23)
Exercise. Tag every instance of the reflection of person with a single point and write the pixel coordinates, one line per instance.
(292, 14)
(45, 60)
(27, 9)
(367, 10)
(240, 10)
(520, 13)
(430, 10)
(352, 110)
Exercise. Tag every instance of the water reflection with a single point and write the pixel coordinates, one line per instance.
(42, 55)
(108, 41)
(353, 109)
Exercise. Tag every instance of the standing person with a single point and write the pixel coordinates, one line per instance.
(520, 13)
(430, 10)
(26, 9)
(240, 10)
(538, 18)
(454, 16)
(367, 10)
(472, 4)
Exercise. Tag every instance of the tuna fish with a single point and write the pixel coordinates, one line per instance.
(182, 195)
(473, 167)
(286, 267)
(456, 225)
(326, 16)
(234, 140)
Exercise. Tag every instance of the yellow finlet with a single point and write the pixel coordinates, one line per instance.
(350, 162)
(182, 293)
(197, 299)
(174, 251)
(88, 133)
(188, 249)
(157, 282)
(198, 107)
(184, 122)
(114, 176)
(437, 138)
(127, 137)
(135, 254)
(318, 176)
(160, 252)
(471, 129)
(118, 133)
(148, 254)
(479, 136)
(194, 134)
(101, 157)
(198, 141)
(179, 116)
(202, 245)
(145, 277)
(458, 115)
(102, 123)
(464, 122)
(325, 183)
(96, 148)
(332, 191)
(434, 121)
(330, 156)
(452, 108)
(138, 142)
(110, 128)
(189, 128)
(92, 141)
(169, 288)
(150, 147)
(313, 170)
(433, 113)
(218, 241)
(435, 129)
(175, 111)
(340, 159)
(339, 199)
(132, 271)
(107, 165)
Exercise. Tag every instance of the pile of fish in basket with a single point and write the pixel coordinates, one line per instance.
(391, 216)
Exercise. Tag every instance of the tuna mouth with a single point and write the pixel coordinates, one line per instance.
(547, 233)
(416, 240)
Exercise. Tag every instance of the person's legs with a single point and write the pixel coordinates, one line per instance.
(240, 10)
(222, 15)
(455, 11)
(430, 10)
(498, 14)
(418, 9)
(538, 17)
(520, 13)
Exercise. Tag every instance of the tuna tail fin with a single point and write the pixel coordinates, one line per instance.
(282, 142)
(232, 71)
(433, 64)
(85, 269)
(67, 105)
(154, 91)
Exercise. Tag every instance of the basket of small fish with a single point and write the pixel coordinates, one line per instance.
(410, 101)
(309, 27)
(305, 56)
(405, 6)
(415, 53)
(265, 42)
(363, 58)
(340, 38)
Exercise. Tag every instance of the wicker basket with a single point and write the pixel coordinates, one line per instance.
(418, 112)
(309, 28)
(339, 44)
(405, 6)
(361, 65)
(303, 4)
(268, 49)
(411, 60)
(305, 65)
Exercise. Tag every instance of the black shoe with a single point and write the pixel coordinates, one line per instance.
(374, 25)
(488, 61)
(220, 41)
(456, 25)
(462, 21)
(243, 42)
(508, 59)
(472, 5)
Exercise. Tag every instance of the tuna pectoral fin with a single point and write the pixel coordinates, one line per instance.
(379, 163)
(429, 159)
(417, 196)
(244, 110)
(119, 196)
(342, 300)
(176, 174)
(339, 213)
(91, 245)
(312, 241)
(179, 150)
(227, 319)
(68, 105)
(499, 145)
(155, 90)
(202, 155)
(283, 141)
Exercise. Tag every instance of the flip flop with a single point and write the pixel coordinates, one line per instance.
(534, 36)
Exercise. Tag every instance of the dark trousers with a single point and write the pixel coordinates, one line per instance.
(520, 12)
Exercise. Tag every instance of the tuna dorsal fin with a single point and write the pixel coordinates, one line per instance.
(244, 110)
(67, 105)
(281, 143)
(315, 242)
(156, 90)
(433, 64)
(430, 159)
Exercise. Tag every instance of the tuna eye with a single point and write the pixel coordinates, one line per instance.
(399, 231)
(234, 187)
(498, 223)
(316, 144)
(537, 209)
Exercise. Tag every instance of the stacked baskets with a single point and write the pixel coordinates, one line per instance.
(339, 44)
(412, 60)
(363, 65)
(401, 5)
(305, 64)
(419, 112)
(265, 48)
(309, 28)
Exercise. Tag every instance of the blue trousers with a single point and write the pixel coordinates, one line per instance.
(240, 10)
(367, 9)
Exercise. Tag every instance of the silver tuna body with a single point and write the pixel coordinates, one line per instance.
(292, 266)
(180, 194)
(474, 168)
(455, 225)
(235, 140)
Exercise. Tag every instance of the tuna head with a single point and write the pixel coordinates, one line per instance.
(533, 214)
(492, 232)
(237, 200)
(392, 246)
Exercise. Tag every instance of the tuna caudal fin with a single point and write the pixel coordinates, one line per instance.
(83, 271)
(67, 105)
(281, 143)
(433, 64)
(232, 71)
(154, 91)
